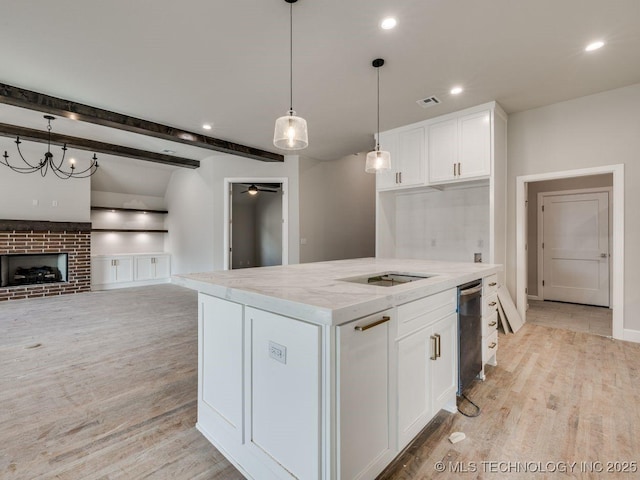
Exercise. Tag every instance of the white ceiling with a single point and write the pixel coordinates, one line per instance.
(226, 63)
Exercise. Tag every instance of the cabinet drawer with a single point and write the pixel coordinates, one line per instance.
(489, 325)
(417, 314)
(489, 304)
(489, 346)
(490, 284)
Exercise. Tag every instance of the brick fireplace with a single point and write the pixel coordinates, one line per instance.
(21, 239)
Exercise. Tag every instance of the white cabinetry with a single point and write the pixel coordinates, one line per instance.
(408, 165)
(119, 271)
(427, 361)
(111, 270)
(489, 320)
(152, 267)
(363, 415)
(460, 148)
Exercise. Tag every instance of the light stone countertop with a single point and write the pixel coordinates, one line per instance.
(314, 292)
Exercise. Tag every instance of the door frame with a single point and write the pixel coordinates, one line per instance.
(617, 245)
(539, 220)
(227, 210)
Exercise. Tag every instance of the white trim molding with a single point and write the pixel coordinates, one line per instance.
(617, 246)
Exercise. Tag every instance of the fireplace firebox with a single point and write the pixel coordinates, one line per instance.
(33, 269)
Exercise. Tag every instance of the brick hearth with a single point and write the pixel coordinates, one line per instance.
(20, 237)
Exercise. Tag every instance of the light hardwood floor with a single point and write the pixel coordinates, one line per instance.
(103, 386)
(570, 316)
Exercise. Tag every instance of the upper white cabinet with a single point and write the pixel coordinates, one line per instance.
(460, 148)
(408, 166)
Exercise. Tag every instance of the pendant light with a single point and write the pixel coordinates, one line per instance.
(291, 131)
(378, 160)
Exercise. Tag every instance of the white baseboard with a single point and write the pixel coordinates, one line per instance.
(534, 297)
(137, 283)
(631, 335)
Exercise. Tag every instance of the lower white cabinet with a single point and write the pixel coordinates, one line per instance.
(119, 271)
(152, 267)
(111, 270)
(427, 362)
(363, 415)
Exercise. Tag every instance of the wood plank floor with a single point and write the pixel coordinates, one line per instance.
(103, 386)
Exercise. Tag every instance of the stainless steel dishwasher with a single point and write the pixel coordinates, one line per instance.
(469, 333)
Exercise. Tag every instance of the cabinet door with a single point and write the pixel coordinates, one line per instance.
(444, 377)
(443, 150)
(144, 268)
(102, 271)
(162, 266)
(475, 145)
(220, 375)
(363, 393)
(414, 400)
(285, 397)
(124, 269)
(410, 158)
(386, 180)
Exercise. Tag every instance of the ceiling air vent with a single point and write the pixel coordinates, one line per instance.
(428, 102)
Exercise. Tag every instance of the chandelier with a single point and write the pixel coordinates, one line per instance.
(48, 163)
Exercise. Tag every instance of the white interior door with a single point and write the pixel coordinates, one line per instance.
(575, 240)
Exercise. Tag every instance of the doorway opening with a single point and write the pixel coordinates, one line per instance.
(256, 226)
(576, 274)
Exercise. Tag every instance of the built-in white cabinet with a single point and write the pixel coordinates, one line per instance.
(119, 271)
(460, 148)
(459, 208)
(363, 415)
(111, 270)
(152, 267)
(427, 346)
(407, 149)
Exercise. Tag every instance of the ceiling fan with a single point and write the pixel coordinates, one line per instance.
(253, 190)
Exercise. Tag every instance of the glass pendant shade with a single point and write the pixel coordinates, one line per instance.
(378, 161)
(291, 132)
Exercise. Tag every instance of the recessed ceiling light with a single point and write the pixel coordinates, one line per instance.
(206, 126)
(456, 90)
(594, 46)
(388, 23)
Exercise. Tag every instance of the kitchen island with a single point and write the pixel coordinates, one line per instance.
(327, 370)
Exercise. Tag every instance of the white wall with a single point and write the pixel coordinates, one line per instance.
(601, 129)
(337, 209)
(19, 191)
(195, 200)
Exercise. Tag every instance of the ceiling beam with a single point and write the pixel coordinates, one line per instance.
(94, 146)
(40, 102)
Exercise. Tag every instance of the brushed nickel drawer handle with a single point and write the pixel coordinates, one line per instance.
(492, 304)
(372, 324)
(493, 345)
(492, 284)
(435, 338)
(493, 324)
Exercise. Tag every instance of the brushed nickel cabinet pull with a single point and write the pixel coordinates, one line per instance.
(493, 324)
(459, 169)
(492, 284)
(493, 345)
(454, 169)
(492, 304)
(400, 176)
(372, 324)
(434, 347)
(438, 354)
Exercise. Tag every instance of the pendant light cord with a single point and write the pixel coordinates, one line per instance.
(291, 57)
(378, 137)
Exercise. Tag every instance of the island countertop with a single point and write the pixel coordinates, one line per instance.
(316, 292)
